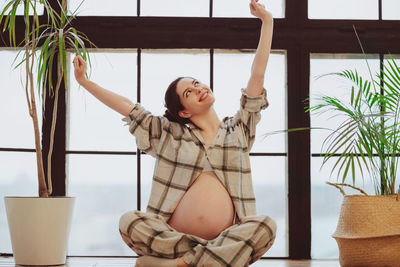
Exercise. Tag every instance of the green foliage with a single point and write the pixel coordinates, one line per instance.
(368, 136)
(55, 38)
(46, 43)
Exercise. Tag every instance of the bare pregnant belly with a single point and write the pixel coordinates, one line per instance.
(205, 210)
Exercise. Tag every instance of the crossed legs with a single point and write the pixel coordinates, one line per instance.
(239, 245)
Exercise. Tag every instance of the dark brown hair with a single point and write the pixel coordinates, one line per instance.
(173, 103)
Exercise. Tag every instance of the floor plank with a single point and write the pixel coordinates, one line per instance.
(130, 261)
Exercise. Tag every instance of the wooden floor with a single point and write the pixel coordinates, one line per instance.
(128, 261)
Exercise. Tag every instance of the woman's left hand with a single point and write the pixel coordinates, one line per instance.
(259, 10)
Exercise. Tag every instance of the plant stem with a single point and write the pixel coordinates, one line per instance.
(32, 105)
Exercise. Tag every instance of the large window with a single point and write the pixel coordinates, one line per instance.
(142, 47)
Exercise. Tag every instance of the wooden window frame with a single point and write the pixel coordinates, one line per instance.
(295, 34)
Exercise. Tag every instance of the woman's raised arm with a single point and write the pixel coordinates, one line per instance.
(256, 81)
(116, 102)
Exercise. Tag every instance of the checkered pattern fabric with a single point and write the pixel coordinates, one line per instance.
(180, 157)
(239, 245)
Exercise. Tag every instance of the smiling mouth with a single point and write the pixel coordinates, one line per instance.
(203, 96)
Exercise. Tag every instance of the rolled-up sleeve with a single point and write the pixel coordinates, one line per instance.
(147, 128)
(249, 114)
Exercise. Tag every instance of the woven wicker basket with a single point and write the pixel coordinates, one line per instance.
(368, 231)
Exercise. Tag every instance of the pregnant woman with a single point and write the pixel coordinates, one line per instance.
(202, 209)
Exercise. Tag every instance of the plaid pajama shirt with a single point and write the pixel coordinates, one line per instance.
(180, 157)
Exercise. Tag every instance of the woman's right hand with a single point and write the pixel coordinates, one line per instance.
(80, 69)
(258, 10)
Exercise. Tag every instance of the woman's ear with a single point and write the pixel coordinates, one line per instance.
(184, 114)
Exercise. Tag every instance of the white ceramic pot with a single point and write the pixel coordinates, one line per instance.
(39, 228)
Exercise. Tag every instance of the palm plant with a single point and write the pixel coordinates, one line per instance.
(369, 134)
(50, 40)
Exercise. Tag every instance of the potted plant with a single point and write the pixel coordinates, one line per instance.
(368, 231)
(39, 226)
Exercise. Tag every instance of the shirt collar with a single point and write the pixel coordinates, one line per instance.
(193, 126)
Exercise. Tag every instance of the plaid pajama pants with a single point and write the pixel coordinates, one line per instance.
(239, 245)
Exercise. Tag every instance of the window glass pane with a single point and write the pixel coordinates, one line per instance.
(18, 126)
(16, 179)
(161, 67)
(226, 8)
(103, 8)
(335, 87)
(390, 9)
(271, 197)
(325, 206)
(105, 188)
(229, 80)
(175, 8)
(343, 9)
(93, 125)
(20, 8)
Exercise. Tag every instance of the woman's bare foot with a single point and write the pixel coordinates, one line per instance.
(182, 263)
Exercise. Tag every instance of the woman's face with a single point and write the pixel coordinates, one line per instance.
(195, 97)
